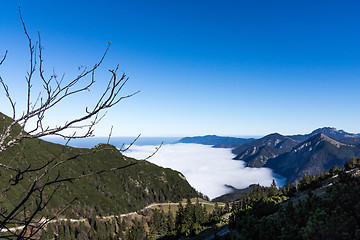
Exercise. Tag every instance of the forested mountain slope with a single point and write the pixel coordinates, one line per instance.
(134, 185)
(321, 207)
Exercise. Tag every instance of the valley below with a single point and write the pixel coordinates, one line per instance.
(209, 170)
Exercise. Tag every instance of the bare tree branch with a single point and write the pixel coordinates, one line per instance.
(38, 109)
(156, 150)
(28, 123)
(4, 57)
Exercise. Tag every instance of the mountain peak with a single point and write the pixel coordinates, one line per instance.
(334, 133)
(275, 134)
(328, 131)
(314, 141)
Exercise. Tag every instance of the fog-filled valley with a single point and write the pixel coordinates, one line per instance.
(207, 169)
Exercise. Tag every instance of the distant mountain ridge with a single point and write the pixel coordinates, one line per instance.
(257, 152)
(303, 154)
(291, 140)
(328, 131)
(317, 154)
(294, 155)
(216, 141)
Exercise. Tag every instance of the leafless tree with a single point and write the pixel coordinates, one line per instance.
(15, 131)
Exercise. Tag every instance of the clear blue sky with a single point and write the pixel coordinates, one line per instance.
(203, 67)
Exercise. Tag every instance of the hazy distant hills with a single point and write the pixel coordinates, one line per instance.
(216, 141)
(295, 155)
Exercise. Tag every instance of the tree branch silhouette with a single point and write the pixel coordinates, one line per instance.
(27, 211)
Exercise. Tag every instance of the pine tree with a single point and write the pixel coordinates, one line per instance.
(227, 207)
(137, 231)
(157, 223)
(188, 213)
(170, 222)
(179, 219)
(198, 213)
(273, 189)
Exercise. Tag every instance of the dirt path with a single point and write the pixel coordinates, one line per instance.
(47, 221)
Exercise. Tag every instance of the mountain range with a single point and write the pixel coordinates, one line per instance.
(328, 131)
(317, 154)
(295, 155)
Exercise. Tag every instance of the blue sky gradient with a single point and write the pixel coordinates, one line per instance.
(203, 67)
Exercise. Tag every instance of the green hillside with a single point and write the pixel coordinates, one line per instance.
(325, 206)
(321, 207)
(132, 187)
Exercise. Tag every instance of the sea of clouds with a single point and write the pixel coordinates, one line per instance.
(207, 169)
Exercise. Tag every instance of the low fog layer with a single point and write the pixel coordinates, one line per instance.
(207, 169)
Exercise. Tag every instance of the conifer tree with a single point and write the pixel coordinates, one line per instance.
(273, 189)
(137, 231)
(179, 219)
(170, 222)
